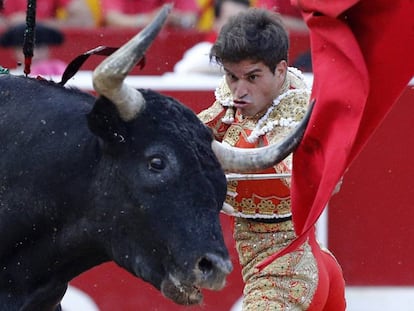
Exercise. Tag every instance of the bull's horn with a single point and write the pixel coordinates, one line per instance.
(108, 77)
(249, 160)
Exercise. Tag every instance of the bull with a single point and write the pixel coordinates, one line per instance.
(129, 176)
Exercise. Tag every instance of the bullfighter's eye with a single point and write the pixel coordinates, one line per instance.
(156, 164)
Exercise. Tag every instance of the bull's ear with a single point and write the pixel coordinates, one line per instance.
(104, 122)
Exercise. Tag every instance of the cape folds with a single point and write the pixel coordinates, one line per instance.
(362, 61)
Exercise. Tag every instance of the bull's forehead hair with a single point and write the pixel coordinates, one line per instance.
(175, 117)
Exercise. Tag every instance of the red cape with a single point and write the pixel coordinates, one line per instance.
(362, 55)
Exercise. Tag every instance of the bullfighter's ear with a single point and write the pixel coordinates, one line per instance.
(104, 121)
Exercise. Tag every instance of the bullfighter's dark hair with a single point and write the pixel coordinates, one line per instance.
(257, 35)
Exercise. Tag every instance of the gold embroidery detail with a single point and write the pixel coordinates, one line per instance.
(284, 207)
(232, 135)
(223, 94)
(289, 282)
(210, 113)
(267, 207)
(257, 205)
(231, 200)
(247, 206)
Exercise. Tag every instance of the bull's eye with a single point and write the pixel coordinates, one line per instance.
(156, 164)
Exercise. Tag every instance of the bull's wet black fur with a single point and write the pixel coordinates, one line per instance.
(79, 187)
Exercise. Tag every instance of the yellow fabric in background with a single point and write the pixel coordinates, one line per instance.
(95, 7)
(206, 18)
(61, 13)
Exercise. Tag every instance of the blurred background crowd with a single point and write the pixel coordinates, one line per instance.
(193, 24)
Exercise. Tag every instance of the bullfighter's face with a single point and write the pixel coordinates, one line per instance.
(253, 85)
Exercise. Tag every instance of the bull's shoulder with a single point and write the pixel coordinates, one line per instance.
(20, 93)
(11, 82)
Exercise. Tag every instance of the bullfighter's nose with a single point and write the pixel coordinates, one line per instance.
(212, 271)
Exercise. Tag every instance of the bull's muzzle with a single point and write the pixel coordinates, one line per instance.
(210, 272)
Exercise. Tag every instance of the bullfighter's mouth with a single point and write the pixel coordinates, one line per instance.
(181, 293)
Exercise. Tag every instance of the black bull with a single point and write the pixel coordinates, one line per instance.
(73, 194)
(129, 176)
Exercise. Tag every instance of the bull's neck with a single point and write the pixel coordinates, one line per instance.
(56, 256)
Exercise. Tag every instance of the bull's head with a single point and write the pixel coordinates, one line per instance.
(192, 175)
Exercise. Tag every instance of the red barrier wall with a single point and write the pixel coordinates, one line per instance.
(371, 220)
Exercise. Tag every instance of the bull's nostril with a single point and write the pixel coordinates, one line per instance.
(211, 271)
(211, 264)
(205, 265)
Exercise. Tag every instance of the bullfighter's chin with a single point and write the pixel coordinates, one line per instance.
(181, 293)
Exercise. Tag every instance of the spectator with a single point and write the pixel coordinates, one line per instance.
(196, 59)
(55, 13)
(136, 13)
(45, 36)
